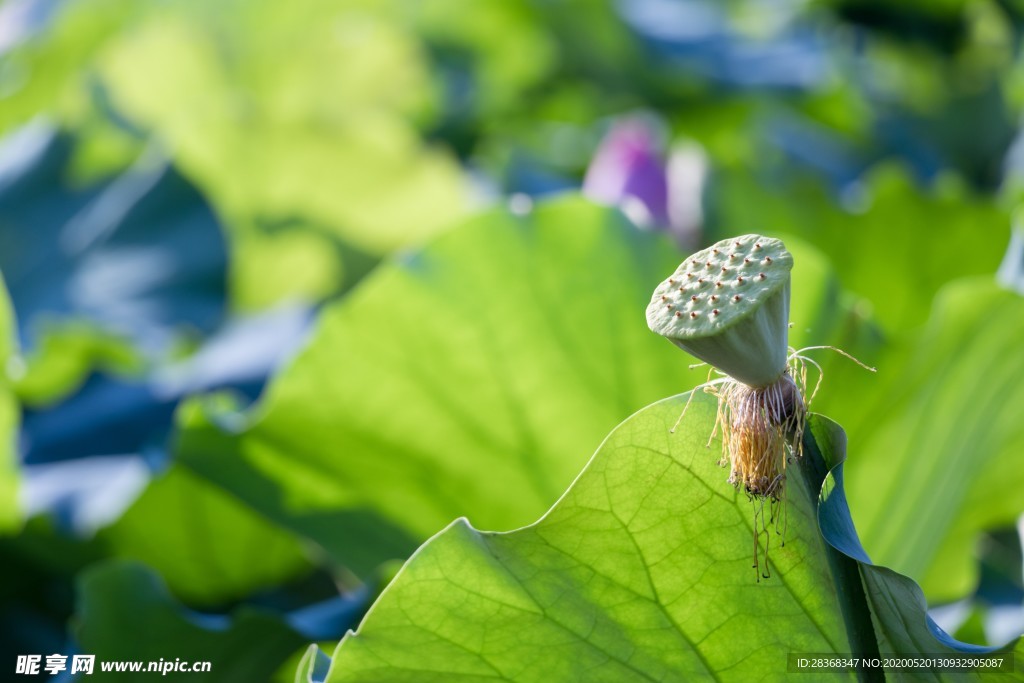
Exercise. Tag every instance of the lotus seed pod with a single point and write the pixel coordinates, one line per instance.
(729, 306)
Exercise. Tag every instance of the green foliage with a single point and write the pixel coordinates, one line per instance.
(467, 377)
(10, 515)
(470, 377)
(118, 598)
(37, 571)
(255, 117)
(65, 355)
(497, 34)
(640, 572)
(938, 452)
(279, 115)
(939, 442)
(461, 377)
(895, 250)
(49, 76)
(207, 546)
(294, 263)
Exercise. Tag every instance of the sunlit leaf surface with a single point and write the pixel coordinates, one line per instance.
(641, 571)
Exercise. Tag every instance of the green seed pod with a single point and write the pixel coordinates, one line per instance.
(729, 306)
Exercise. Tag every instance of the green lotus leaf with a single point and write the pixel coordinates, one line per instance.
(642, 571)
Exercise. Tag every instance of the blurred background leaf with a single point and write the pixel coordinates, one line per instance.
(142, 256)
(104, 615)
(896, 250)
(216, 549)
(940, 443)
(9, 509)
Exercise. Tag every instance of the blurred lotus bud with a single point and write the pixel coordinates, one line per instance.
(629, 170)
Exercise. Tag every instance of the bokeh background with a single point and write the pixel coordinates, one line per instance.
(266, 332)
